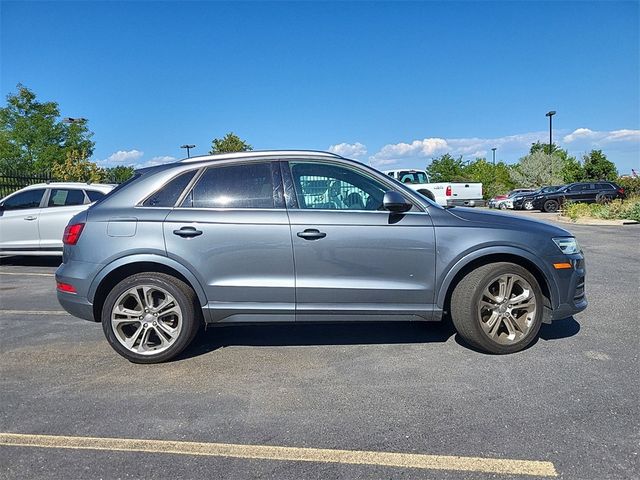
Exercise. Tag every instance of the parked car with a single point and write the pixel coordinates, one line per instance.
(524, 201)
(586, 192)
(498, 200)
(244, 237)
(33, 219)
(467, 194)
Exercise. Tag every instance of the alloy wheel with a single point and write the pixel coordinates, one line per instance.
(507, 309)
(146, 319)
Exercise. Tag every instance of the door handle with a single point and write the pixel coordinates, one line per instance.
(187, 232)
(30, 218)
(312, 234)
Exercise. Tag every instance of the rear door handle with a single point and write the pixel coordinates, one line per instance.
(187, 232)
(30, 218)
(312, 234)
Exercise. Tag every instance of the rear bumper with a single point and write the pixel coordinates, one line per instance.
(76, 306)
(455, 202)
(79, 275)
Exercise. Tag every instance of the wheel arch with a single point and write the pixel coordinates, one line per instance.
(494, 255)
(427, 193)
(124, 267)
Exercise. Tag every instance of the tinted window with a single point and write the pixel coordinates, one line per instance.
(65, 198)
(237, 186)
(28, 199)
(604, 186)
(580, 188)
(168, 195)
(94, 195)
(330, 187)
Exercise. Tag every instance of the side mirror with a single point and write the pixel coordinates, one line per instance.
(394, 202)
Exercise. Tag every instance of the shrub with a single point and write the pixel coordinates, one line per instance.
(631, 185)
(628, 209)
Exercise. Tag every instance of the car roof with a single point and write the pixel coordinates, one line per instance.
(105, 187)
(259, 154)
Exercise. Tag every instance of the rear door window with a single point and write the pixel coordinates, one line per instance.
(65, 197)
(94, 195)
(235, 186)
(22, 200)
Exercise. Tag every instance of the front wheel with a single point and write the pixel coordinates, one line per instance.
(498, 308)
(503, 206)
(150, 317)
(528, 205)
(551, 206)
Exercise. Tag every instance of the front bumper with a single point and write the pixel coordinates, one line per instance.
(571, 288)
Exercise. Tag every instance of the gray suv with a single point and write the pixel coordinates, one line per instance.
(301, 236)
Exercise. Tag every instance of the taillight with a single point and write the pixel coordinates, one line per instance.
(65, 287)
(72, 233)
(448, 191)
(621, 191)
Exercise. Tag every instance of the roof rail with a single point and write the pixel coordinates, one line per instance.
(259, 153)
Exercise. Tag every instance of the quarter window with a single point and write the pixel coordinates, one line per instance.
(168, 195)
(237, 186)
(331, 187)
(20, 201)
(94, 195)
(65, 198)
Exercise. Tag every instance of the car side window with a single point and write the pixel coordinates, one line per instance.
(94, 195)
(168, 195)
(65, 197)
(331, 187)
(236, 186)
(28, 199)
(604, 186)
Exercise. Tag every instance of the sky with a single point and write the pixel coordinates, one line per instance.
(392, 84)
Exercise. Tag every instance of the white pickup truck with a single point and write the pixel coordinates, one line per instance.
(444, 193)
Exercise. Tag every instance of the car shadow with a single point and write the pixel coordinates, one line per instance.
(31, 261)
(556, 330)
(310, 334)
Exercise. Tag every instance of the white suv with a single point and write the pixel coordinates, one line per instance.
(32, 220)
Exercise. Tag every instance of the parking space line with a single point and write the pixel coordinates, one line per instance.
(292, 454)
(33, 274)
(33, 312)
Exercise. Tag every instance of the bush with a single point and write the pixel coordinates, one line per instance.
(628, 209)
(631, 185)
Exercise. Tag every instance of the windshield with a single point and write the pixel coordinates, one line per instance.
(412, 177)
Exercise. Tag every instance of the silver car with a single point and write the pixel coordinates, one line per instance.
(299, 236)
(33, 219)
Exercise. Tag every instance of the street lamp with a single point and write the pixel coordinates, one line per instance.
(550, 115)
(494, 154)
(188, 147)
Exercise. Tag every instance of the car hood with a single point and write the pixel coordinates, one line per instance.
(486, 218)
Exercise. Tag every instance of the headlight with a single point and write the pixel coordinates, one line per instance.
(568, 245)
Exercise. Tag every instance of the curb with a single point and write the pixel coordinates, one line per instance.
(596, 221)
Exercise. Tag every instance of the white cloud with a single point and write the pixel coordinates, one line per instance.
(159, 160)
(597, 138)
(122, 157)
(350, 150)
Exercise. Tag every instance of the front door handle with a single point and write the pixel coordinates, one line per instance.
(312, 234)
(187, 232)
(30, 218)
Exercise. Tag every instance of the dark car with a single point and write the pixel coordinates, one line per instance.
(585, 192)
(524, 200)
(299, 236)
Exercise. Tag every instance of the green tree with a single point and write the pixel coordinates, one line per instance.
(538, 169)
(598, 167)
(77, 168)
(118, 174)
(446, 168)
(543, 147)
(571, 170)
(229, 143)
(495, 179)
(33, 137)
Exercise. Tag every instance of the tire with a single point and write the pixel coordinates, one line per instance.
(550, 206)
(473, 320)
(158, 333)
(503, 206)
(528, 205)
(604, 198)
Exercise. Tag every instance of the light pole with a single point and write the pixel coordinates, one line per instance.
(550, 115)
(188, 147)
(494, 155)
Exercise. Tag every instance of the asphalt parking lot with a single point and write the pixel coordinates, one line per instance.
(566, 406)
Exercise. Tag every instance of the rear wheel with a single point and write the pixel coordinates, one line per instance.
(551, 206)
(150, 317)
(498, 308)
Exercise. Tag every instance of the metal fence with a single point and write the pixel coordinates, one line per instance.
(11, 181)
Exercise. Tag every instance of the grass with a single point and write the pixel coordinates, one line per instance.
(628, 209)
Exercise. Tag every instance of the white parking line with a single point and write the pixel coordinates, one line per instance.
(291, 454)
(21, 274)
(33, 312)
